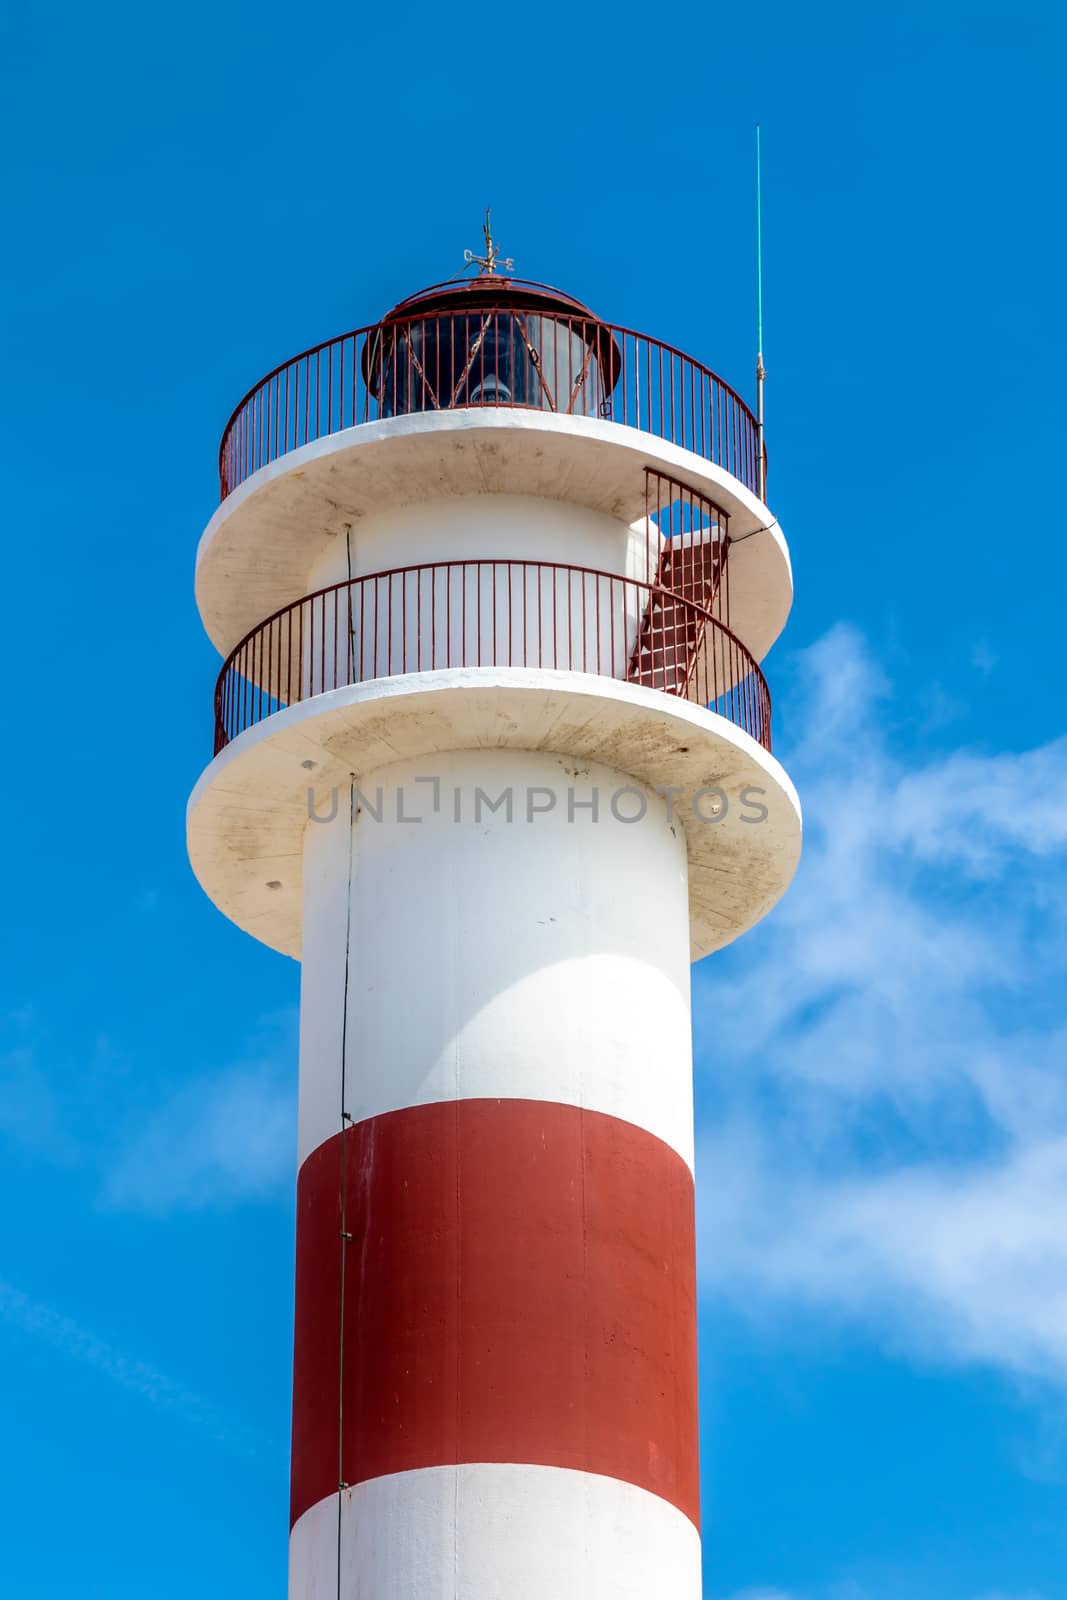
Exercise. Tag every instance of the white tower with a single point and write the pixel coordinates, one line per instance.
(492, 760)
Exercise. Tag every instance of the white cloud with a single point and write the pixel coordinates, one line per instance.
(885, 1059)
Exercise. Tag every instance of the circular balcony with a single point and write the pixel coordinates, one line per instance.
(483, 613)
(492, 343)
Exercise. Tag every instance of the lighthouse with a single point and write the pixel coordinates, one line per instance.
(492, 579)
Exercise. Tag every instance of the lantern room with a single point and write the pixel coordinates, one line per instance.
(495, 341)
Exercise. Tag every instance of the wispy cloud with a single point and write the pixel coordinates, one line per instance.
(30, 1110)
(889, 1128)
(849, 1592)
(221, 1138)
(217, 1135)
(763, 1594)
(837, 1591)
(77, 1343)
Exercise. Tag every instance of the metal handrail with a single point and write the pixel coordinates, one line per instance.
(504, 613)
(346, 381)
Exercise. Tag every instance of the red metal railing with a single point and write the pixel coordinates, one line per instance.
(490, 613)
(495, 356)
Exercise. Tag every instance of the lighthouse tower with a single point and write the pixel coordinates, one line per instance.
(492, 579)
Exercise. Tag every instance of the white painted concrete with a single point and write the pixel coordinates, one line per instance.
(262, 544)
(478, 526)
(472, 615)
(495, 1532)
(248, 814)
(542, 955)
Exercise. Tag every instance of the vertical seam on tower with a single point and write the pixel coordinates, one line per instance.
(459, 1346)
(344, 1184)
(681, 1443)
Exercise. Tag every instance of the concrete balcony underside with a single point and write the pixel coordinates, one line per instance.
(249, 812)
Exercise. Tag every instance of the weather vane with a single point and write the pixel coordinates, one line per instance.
(492, 258)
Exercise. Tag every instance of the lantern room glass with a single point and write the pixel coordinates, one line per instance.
(492, 357)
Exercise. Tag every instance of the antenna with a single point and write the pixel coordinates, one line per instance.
(761, 371)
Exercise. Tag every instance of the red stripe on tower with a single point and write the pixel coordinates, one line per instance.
(520, 1287)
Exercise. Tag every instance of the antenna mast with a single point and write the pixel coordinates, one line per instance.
(761, 372)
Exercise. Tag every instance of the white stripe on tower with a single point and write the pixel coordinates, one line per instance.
(519, 1316)
(511, 1532)
(547, 960)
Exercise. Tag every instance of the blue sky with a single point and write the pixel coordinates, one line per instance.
(195, 193)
